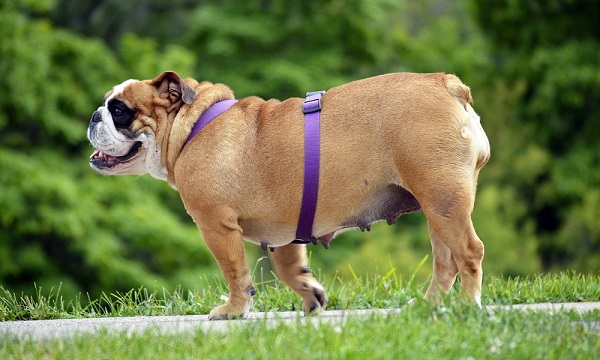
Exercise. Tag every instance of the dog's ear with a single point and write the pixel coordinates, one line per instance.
(176, 89)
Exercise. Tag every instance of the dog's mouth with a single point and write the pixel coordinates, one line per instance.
(101, 160)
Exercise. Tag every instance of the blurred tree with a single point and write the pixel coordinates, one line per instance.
(60, 222)
(550, 51)
(430, 36)
(111, 19)
(283, 48)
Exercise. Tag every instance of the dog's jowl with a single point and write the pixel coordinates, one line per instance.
(381, 147)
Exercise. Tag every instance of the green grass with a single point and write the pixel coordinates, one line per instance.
(376, 291)
(455, 330)
(419, 332)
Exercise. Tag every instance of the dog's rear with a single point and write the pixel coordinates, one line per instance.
(456, 247)
(404, 142)
(462, 94)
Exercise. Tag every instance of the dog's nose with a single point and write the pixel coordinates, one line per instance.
(96, 117)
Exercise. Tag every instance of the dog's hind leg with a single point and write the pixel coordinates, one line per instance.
(453, 230)
(445, 269)
(291, 266)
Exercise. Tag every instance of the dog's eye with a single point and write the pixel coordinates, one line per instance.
(122, 115)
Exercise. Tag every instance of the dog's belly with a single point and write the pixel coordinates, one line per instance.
(266, 232)
(386, 203)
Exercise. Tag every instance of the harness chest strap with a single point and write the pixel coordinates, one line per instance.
(207, 116)
(312, 148)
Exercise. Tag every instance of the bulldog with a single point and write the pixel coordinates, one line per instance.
(388, 145)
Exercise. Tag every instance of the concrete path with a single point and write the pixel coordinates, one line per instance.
(69, 328)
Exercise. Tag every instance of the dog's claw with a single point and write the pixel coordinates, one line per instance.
(321, 296)
(317, 303)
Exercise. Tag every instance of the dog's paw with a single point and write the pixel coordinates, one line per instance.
(315, 298)
(228, 312)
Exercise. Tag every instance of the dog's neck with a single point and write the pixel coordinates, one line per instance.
(186, 118)
(209, 115)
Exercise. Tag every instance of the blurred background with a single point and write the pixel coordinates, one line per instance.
(533, 68)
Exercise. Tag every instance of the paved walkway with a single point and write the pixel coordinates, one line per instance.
(68, 328)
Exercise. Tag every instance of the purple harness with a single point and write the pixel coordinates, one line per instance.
(312, 148)
(209, 115)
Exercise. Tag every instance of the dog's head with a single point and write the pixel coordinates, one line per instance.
(129, 130)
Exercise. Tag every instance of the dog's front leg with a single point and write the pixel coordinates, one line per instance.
(223, 236)
(291, 266)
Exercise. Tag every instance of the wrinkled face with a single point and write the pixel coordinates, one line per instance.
(123, 136)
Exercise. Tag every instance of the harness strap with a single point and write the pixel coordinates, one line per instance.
(207, 116)
(312, 145)
(312, 148)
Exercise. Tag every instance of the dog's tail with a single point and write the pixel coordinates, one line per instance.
(462, 94)
(460, 91)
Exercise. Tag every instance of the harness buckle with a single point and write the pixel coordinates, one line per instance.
(313, 102)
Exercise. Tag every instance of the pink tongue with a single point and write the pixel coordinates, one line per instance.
(94, 154)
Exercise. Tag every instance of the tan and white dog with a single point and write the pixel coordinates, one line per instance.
(390, 144)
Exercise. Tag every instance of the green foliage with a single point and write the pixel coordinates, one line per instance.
(551, 51)
(138, 56)
(61, 223)
(281, 48)
(533, 70)
(521, 27)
